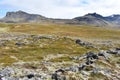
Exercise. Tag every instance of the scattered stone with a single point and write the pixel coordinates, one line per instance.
(85, 44)
(19, 44)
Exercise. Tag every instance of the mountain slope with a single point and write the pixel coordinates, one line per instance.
(114, 19)
(21, 16)
(93, 19)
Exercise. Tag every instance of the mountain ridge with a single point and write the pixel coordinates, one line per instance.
(88, 19)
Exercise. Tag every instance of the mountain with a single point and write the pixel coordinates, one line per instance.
(114, 19)
(88, 19)
(21, 16)
(93, 19)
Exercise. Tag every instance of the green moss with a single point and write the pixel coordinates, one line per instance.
(60, 59)
(7, 61)
(97, 76)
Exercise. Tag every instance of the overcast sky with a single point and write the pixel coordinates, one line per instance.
(61, 8)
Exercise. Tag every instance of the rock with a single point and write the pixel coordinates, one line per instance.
(19, 44)
(95, 70)
(103, 53)
(60, 70)
(7, 71)
(112, 51)
(74, 68)
(91, 55)
(58, 75)
(30, 76)
(54, 76)
(89, 62)
(84, 44)
(117, 49)
(81, 67)
(78, 41)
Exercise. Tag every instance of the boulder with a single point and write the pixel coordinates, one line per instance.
(78, 41)
(29, 76)
(91, 55)
(58, 75)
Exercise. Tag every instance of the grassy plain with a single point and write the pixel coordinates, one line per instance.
(65, 44)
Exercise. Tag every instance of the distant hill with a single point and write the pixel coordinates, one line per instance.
(21, 16)
(88, 19)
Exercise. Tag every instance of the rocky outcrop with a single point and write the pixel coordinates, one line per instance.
(89, 67)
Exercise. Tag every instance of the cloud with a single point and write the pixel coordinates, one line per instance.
(64, 8)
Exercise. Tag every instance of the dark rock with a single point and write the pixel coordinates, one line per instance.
(117, 49)
(1, 77)
(58, 75)
(78, 41)
(60, 70)
(81, 67)
(112, 51)
(91, 55)
(85, 44)
(89, 62)
(54, 76)
(30, 76)
(101, 54)
(19, 44)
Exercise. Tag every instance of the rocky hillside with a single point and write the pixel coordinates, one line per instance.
(20, 16)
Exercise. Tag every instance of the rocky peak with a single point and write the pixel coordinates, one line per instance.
(94, 15)
(92, 19)
(21, 16)
(15, 14)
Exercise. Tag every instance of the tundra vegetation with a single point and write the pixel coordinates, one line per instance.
(59, 52)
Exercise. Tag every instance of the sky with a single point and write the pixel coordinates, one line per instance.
(61, 8)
